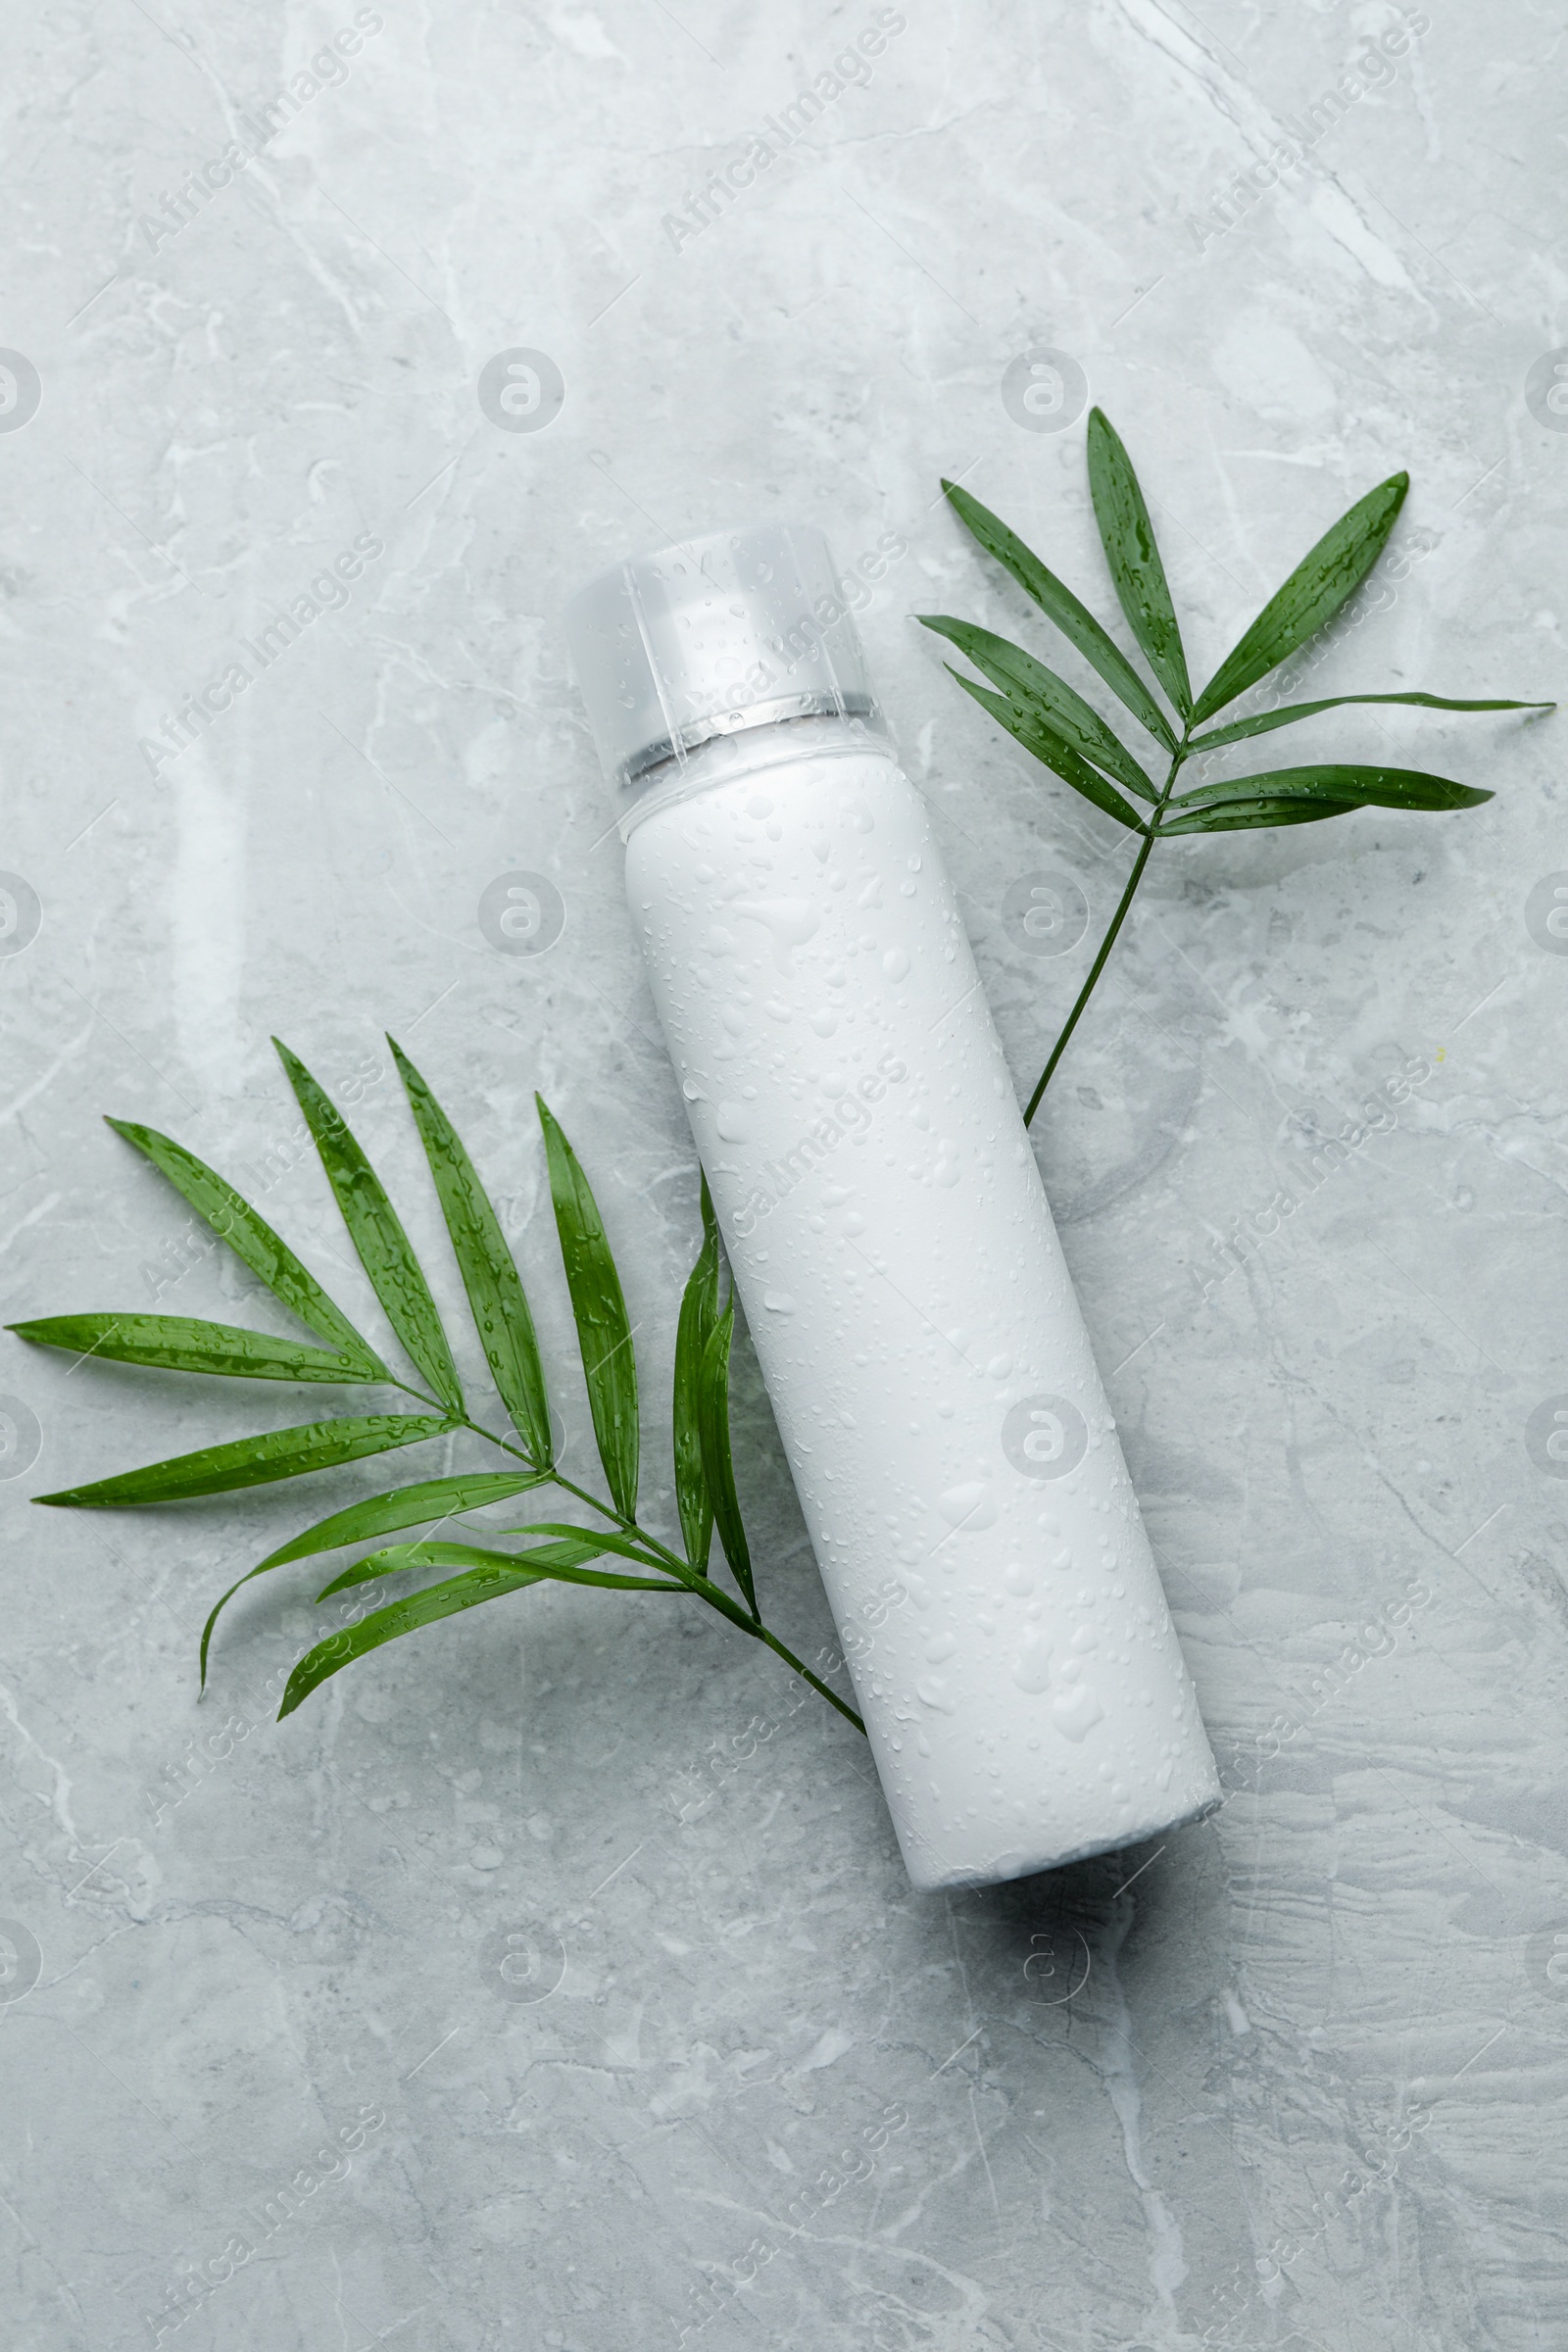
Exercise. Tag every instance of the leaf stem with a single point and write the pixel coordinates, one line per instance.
(774, 1643)
(701, 1586)
(1150, 834)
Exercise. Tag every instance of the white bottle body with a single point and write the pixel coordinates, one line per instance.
(928, 1367)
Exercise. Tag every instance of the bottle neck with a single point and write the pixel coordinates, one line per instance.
(727, 759)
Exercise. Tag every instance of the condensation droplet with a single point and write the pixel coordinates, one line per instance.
(969, 1507)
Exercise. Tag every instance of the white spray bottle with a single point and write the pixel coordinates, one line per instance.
(956, 1464)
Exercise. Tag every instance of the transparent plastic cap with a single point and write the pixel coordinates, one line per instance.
(720, 635)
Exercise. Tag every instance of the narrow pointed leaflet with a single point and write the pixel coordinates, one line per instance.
(252, 1239)
(255, 1461)
(1039, 691)
(489, 1271)
(718, 1468)
(1133, 555)
(437, 1499)
(699, 1312)
(604, 1333)
(1326, 576)
(378, 1235)
(561, 1563)
(1060, 604)
(176, 1343)
(1349, 787)
(1053, 751)
(1267, 720)
(429, 1607)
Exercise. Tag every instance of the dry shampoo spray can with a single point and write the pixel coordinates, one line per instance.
(932, 1380)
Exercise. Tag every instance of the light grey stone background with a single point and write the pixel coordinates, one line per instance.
(1296, 2076)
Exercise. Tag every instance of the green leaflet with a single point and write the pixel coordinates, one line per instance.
(378, 1515)
(1328, 574)
(562, 1562)
(1058, 603)
(404, 1506)
(378, 1235)
(604, 1333)
(1351, 787)
(1054, 751)
(175, 1344)
(699, 1312)
(719, 1470)
(252, 1239)
(678, 1571)
(1133, 555)
(598, 1539)
(1249, 815)
(508, 1574)
(1037, 689)
(489, 1271)
(256, 1461)
(1290, 713)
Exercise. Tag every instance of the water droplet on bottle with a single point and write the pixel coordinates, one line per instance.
(1077, 1711)
(896, 963)
(791, 922)
(778, 1302)
(969, 1507)
(734, 1127)
(1031, 1668)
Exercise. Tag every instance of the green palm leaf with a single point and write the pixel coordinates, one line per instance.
(562, 1562)
(448, 1599)
(255, 1461)
(718, 1469)
(1034, 688)
(378, 1235)
(1053, 750)
(489, 1268)
(1267, 720)
(1060, 604)
(1251, 814)
(1327, 574)
(1351, 787)
(252, 1241)
(379, 1515)
(1133, 553)
(176, 1343)
(604, 1333)
(699, 1312)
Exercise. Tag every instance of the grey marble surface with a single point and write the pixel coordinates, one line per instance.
(1298, 2076)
